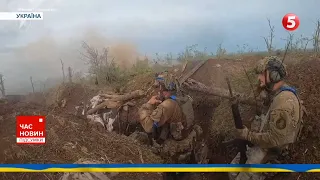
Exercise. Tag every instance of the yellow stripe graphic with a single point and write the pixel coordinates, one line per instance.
(169, 169)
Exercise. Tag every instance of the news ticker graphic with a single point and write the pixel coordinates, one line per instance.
(32, 16)
(159, 168)
(31, 129)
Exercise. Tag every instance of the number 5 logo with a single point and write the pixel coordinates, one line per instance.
(290, 22)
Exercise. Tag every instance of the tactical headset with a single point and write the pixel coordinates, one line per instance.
(276, 70)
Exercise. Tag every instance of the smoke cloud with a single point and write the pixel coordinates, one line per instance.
(41, 59)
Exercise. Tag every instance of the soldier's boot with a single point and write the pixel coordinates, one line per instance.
(255, 155)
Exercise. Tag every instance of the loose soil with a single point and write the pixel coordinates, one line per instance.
(71, 138)
(68, 139)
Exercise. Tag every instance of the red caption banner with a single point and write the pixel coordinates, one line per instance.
(31, 130)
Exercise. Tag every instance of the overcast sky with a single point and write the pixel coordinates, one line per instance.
(150, 25)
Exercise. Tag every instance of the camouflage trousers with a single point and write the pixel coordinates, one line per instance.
(178, 151)
(255, 155)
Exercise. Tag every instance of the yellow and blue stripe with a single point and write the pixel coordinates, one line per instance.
(159, 168)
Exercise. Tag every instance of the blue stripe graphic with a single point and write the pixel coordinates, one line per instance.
(292, 167)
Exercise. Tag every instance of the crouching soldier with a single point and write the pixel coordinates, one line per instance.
(169, 119)
(281, 124)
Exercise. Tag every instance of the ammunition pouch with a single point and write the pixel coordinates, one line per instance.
(160, 134)
(275, 151)
(150, 139)
(273, 155)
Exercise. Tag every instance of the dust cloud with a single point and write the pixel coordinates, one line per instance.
(41, 60)
(125, 54)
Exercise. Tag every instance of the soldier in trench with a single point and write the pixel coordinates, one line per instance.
(272, 133)
(169, 119)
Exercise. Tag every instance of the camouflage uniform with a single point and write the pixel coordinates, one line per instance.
(273, 132)
(171, 123)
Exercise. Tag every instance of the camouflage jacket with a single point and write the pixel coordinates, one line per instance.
(282, 123)
(167, 113)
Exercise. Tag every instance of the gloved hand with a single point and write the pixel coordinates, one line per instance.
(153, 100)
(242, 133)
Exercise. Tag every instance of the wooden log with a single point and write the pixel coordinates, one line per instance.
(124, 97)
(116, 101)
(219, 92)
(183, 78)
(128, 96)
(184, 66)
(110, 96)
(105, 104)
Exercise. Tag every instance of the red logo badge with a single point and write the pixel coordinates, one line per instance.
(31, 130)
(290, 22)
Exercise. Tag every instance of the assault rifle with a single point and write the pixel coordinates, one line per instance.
(241, 144)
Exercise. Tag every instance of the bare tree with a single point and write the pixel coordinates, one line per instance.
(169, 59)
(70, 74)
(269, 40)
(32, 84)
(289, 42)
(220, 51)
(297, 44)
(62, 67)
(302, 43)
(93, 57)
(159, 59)
(2, 89)
(316, 38)
(101, 65)
(306, 42)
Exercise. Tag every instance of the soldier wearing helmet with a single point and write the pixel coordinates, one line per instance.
(169, 117)
(280, 126)
(271, 71)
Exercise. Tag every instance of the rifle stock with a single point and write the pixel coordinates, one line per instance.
(241, 144)
(236, 115)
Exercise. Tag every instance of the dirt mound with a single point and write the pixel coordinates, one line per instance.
(68, 140)
(140, 81)
(213, 72)
(14, 98)
(73, 94)
(5, 108)
(305, 77)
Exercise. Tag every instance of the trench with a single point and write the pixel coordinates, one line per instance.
(204, 108)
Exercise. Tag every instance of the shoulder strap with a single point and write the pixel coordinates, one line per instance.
(289, 88)
(173, 97)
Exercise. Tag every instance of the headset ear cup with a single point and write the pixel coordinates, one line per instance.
(274, 76)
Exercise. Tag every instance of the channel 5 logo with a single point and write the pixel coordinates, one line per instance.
(290, 22)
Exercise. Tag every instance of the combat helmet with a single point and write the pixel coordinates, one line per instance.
(277, 70)
(166, 81)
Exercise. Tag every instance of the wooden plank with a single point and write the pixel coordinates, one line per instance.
(194, 85)
(190, 73)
